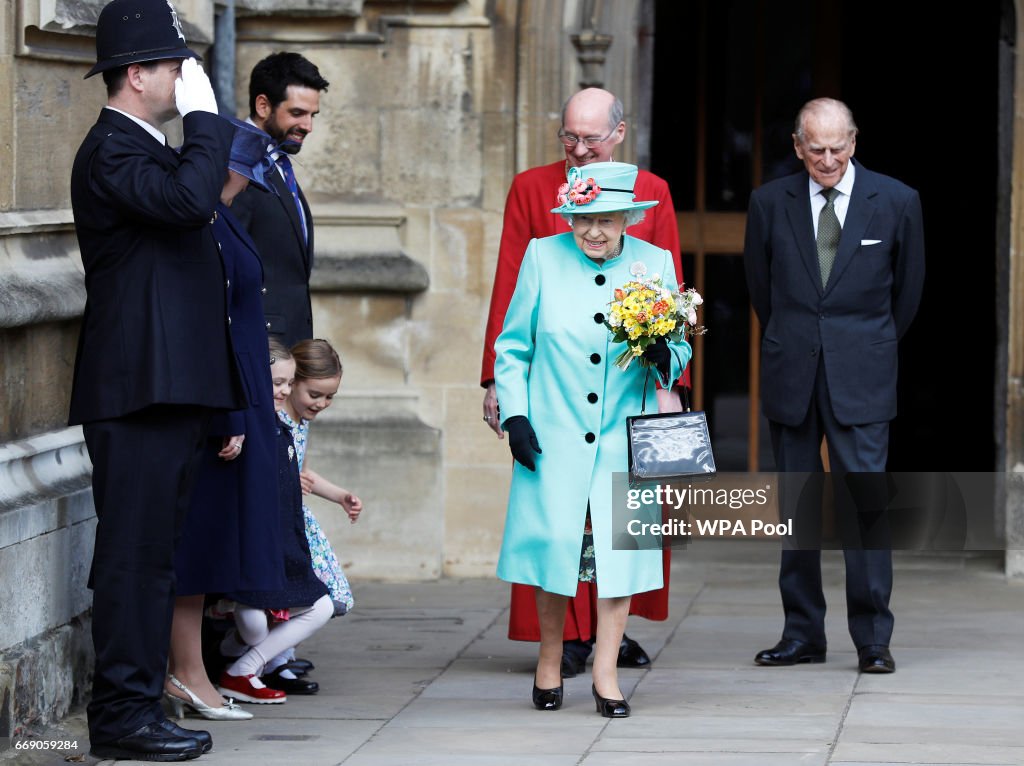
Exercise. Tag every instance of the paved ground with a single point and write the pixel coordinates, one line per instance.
(423, 674)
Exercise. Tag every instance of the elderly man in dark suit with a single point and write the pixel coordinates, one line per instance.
(284, 97)
(834, 259)
(153, 357)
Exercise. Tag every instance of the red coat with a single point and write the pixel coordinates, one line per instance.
(530, 197)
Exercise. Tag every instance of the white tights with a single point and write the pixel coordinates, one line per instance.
(265, 641)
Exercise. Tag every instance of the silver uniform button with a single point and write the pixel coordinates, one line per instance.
(263, 291)
(229, 320)
(268, 325)
(229, 284)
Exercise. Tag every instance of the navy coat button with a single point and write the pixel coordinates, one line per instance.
(599, 318)
(595, 358)
(592, 398)
(600, 279)
(590, 438)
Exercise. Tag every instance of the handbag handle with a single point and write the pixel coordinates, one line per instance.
(647, 377)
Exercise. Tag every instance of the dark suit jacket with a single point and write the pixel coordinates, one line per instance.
(855, 322)
(155, 325)
(274, 225)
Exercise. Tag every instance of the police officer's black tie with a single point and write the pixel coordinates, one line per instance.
(828, 235)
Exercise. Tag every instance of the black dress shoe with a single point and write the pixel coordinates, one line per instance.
(789, 652)
(610, 708)
(151, 742)
(547, 699)
(298, 666)
(875, 659)
(289, 685)
(631, 654)
(202, 737)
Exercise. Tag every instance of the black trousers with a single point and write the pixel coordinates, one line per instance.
(143, 465)
(857, 456)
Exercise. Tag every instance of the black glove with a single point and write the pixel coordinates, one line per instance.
(659, 355)
(522, 440)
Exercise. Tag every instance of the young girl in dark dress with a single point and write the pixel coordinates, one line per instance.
(270, 621)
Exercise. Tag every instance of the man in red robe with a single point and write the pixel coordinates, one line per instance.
(592, 126)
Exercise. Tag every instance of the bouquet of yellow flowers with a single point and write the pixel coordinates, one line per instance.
(645, 310)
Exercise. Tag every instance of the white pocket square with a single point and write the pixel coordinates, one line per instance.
(869, 242)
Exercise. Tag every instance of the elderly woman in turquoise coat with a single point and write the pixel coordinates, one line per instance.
(564, 405)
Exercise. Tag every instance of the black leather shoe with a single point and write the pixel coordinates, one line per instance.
(571, 666)
(574, 656)
(289, 685)
(202, 737)
(298, 666)
(631, 654)
(547, 699)
(789, 652)
(151, 742)
(875, 659)
(610, 708)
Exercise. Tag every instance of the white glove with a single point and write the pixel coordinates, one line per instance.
(192, 91)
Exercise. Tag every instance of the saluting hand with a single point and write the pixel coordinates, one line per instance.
(192, 91)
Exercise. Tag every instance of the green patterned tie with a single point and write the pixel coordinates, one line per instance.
(828, 235)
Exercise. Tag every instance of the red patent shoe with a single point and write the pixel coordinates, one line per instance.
(249, 689)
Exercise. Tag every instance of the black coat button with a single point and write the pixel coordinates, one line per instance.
(595, 358)
(599, 318)
(592, 398)
(590, 438)
(600, 279)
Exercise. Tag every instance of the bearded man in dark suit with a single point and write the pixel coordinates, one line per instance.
(154, 355)
(834, 259)
(284, 97)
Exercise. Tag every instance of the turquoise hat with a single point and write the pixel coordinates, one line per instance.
(600, 187)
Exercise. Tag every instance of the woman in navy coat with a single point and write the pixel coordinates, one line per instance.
(229, 540)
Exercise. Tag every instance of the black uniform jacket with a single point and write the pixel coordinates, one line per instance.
(155, 325)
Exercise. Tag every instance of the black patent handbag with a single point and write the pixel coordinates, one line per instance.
(670, 446)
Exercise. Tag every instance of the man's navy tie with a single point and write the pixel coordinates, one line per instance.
(285, 163)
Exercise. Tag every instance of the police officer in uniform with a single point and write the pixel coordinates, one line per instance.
(154, 357)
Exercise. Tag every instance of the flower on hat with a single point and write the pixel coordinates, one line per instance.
(580, 192)
(577, 190)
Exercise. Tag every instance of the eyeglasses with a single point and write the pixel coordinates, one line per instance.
(591, 142)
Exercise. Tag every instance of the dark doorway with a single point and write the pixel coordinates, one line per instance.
(729, 77)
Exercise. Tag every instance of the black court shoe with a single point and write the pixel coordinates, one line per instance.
(547, 699)
(610, 708)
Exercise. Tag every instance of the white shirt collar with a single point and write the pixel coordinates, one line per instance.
(142, 124)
